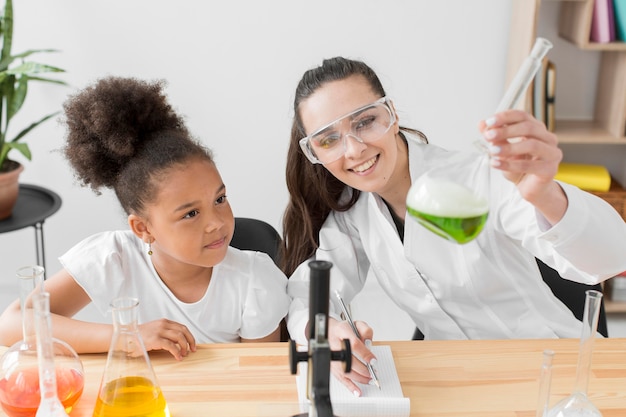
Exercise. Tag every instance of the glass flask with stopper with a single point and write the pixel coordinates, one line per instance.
(578, 403)
(129, 386)
(451, 199)
(19, 367)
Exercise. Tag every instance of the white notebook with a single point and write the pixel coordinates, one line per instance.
(387, 401)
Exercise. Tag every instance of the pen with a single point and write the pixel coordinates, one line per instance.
(356, 332)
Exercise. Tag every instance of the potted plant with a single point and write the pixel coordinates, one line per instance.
(15, 74)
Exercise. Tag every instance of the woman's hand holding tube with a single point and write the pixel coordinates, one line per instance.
(529, 156)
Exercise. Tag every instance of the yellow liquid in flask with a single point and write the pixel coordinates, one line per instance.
(131, 396)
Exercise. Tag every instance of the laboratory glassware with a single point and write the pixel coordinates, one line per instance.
(545, 379)
(50, 405)
(578, 403)
(19, 367)
(129, 386)
(451, 198)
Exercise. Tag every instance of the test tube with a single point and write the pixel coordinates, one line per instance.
(525, 74)
(545, 379)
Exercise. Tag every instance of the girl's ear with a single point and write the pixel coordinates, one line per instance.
(140, 228)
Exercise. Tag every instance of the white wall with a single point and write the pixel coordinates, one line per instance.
(232, 67)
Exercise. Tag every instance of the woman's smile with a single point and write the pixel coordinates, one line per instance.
(365, 167)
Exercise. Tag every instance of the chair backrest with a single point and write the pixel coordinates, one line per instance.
(571, 293)
(254, 234)
(257, 235)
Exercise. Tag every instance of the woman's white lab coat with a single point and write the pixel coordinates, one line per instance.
(489, 288)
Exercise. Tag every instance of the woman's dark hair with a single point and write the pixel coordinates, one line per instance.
(123, 134)
(313, 191)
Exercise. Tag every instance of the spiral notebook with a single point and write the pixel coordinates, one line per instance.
(387, 401)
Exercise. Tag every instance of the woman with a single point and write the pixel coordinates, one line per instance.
(175, 258)
(350, 166)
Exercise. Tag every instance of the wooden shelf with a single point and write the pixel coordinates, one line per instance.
(614, 306)
(608, 127)
(575, 26)
(586, 132)
(609, 119)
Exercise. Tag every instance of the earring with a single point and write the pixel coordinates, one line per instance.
(150, 248)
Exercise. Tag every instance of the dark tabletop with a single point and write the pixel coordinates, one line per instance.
(34, 204)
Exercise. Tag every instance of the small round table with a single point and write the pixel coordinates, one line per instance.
(34, 205)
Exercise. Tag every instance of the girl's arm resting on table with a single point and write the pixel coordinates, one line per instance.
(84, 337)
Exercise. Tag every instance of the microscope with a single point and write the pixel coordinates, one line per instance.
(319, 354)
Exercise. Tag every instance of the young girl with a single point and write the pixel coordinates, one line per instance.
(192, 287)
(350, 166)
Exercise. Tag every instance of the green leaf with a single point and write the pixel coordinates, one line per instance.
(8, 60)
(7, 29)
(22, 148)
(32, 126)
(28, 68)
(48, 80)
(15, 101)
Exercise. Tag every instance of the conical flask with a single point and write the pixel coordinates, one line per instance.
(19, 367)
(50, 404)
(129, 387)
(451, 199)
(578, 404)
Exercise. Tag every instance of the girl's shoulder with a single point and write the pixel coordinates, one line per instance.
(246, 262)
(108, 242)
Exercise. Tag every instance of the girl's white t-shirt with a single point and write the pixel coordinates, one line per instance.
(246, 298)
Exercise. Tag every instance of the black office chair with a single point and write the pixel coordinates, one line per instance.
(254, 234)
(257, 235)
(571, 293)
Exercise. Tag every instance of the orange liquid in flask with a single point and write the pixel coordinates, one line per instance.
(20, 396)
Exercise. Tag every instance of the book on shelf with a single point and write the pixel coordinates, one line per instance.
(544, 90)
(584, 176)
(619, 9)
(602, 22)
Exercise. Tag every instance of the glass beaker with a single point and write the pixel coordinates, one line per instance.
(129, 386)
(451, 199)
(19, 367)
(50, 404)
(578, 404)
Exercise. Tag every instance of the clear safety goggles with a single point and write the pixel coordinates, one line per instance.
(366, 124)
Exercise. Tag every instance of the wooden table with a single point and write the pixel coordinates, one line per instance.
(442, 378)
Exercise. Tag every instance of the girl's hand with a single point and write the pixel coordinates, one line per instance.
(528, 155)
(168, 335)
(339, 330)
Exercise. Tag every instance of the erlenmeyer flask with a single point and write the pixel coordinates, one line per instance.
(451, 199)
(578, 404)
(19, 368)
(50, 404)
(129, 386)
